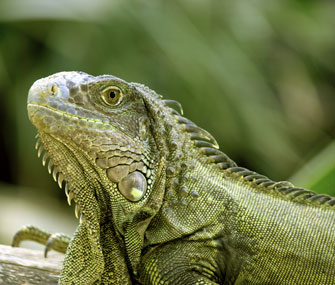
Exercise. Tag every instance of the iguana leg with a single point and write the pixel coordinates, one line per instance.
(57, 241)
(83, 262)
(181, 262)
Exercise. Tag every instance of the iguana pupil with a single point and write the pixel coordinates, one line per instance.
(112, 95)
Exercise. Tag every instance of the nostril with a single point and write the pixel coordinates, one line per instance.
(54, 90)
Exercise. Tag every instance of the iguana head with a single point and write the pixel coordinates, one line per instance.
(99, 138)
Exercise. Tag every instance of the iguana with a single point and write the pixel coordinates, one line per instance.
(159, 203)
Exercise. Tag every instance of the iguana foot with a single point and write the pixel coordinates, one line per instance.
(58, 241)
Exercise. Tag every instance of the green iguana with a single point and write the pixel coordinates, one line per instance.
(159, 203)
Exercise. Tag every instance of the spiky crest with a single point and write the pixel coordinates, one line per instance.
(208, 146)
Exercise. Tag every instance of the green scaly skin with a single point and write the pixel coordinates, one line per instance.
(159, 203)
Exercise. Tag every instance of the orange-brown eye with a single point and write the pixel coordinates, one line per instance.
(112, 95)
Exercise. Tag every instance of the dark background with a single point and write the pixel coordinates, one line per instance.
(258, 75)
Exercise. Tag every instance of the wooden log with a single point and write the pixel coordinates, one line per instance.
(27, 266)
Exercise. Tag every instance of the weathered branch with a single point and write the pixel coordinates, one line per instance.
(26, 266)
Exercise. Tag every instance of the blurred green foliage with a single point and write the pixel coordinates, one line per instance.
(257, 74)
(319, 173)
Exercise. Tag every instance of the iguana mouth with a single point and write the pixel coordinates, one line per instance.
(46, 118)
(69, 114)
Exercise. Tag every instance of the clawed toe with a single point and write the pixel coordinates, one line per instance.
(57, 241)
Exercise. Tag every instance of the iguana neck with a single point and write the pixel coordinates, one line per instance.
(199, 174)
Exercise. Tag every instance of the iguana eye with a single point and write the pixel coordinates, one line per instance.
(112, 95)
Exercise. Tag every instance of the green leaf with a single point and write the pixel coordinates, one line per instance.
(319, 173)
